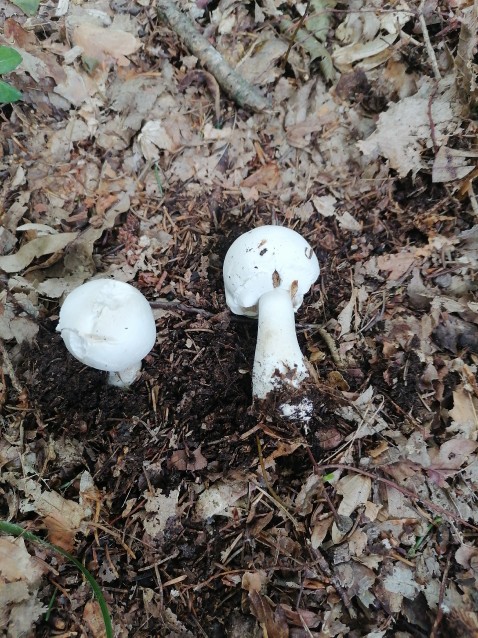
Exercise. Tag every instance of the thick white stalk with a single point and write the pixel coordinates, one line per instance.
(278, 358)
(124, 378)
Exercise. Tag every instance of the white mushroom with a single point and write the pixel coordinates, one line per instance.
(267, 271)
(108, 325)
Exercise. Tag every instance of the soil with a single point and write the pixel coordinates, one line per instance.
(196, 387)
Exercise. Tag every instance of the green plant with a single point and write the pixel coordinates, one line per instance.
(29, 7)
(9, 60)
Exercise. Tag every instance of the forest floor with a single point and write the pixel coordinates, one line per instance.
(198, 512)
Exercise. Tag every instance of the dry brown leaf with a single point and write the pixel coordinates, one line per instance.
(306, 498)
(396, 264)
(345, 316)
(261, 67)
(254, 581)
(104, 44)
(22, 329)
(93, 617)
(400, 583)
(186, 460)
(355, 490)
(403, 131)
(220, 499)
(265, 179)
(272, 621)
(451, 164)
(464, 413)
(446, 461)
(302, 617)
(20, 577)
(399, 506)
(36, 248)
(162, 508)
(63, 518)
(319, 531)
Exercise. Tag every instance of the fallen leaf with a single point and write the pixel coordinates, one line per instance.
(325, 205)
(464, 413)
(16, 563)
(355, 490)
(265, 179)
(397, 264)
(94, 619)
(446, 461)
(272, 621)
(162, 508)
(301, 617)
(254, 581)
(184, 460)
(20, 578)
(62, 517)
(403, 131)
(219, 499)
(105, 43)
(345, 316)
(451, 164)
(36, 248)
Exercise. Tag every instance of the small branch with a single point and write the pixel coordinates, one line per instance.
(271, 490)
(430, 119)
(233, 84)
(334, 351)
(436, 625)
(319, 557)
(428, 44)
(294, 35)
(180, 307)
(9, 368)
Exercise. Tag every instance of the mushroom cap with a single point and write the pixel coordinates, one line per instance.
(265, 258)
(107, 324)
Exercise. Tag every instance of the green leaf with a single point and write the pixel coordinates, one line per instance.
(30, 7)
(8, 93)
(9, 59)
(16, 530)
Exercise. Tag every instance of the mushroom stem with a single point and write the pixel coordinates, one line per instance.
(124, 378)
(278, 358)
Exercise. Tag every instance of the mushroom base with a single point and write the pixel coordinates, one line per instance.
(124, 378)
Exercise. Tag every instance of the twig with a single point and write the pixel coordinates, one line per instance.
(319, 557)
(438, 618)
(472, 196)
(331, 346)
(430, 119)
(233, 84)
(173, 305)
(272, 493)
(324, 491)
(428, 44)
(9, 368)
(294, 35)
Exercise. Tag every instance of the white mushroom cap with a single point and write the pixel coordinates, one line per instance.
(107, 324)
(265, 258)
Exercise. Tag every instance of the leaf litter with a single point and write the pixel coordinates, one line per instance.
(126, 159)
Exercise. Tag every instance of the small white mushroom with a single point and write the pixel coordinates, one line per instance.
(108, 325)
(267, 271)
